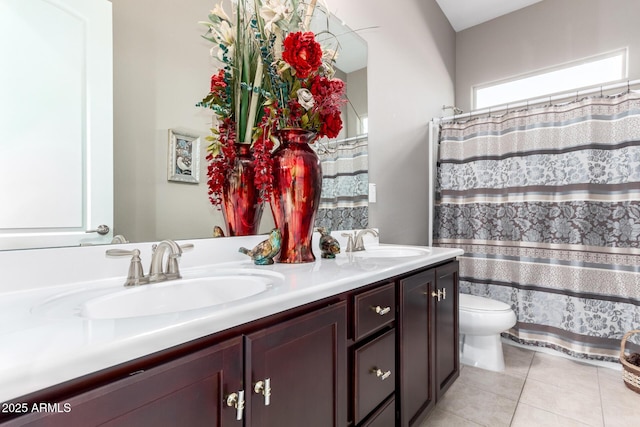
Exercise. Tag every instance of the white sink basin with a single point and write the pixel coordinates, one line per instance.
(174, 296)
(198, 289)
(390, 252)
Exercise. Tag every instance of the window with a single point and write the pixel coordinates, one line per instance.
(364, 124)
(593, 71)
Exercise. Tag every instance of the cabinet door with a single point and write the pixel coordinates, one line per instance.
(446, 341)
(299, 370)
(189, 391)
(415, 347)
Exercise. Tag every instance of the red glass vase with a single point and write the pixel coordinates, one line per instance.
(297, 182)
(240, 206)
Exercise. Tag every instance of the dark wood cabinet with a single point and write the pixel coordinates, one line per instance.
(296, 371)
(383, 417)
(374, 309)
(427, 339)
(375, 374)
(300, 362)
(373, 356)
(378, 356)
(415, 347)
(188, 391)
(445, 328)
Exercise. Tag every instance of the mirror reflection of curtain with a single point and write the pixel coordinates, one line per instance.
(546, 205)
(345, 185)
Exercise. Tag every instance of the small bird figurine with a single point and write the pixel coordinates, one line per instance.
(217, 231)
(264, 251)
(329, 246)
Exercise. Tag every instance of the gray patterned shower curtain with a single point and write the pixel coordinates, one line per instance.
(546, 205)
(345, 186)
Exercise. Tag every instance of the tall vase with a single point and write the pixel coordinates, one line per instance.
(297, 182)
(240, 207)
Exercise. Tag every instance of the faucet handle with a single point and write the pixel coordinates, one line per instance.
(350, 241)
(173, 269)
(136, 275)
(186, 247)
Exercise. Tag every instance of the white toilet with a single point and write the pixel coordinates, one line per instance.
(481, 322)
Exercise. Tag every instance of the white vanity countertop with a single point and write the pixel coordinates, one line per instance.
(42, 346)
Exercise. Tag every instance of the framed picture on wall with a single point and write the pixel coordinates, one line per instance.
(184, 157)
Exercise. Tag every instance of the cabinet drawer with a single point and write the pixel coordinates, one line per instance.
(374, 368)
(374, 309)
(383, 417)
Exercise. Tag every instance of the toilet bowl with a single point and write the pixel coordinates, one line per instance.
(481, 322)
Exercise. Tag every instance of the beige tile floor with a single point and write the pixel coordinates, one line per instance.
(537, 389)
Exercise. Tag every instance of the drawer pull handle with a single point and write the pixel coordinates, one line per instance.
(236, 400)
(264, 388)
(381, 311)
(381, 374)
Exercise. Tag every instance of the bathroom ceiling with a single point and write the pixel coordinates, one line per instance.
(463, 14)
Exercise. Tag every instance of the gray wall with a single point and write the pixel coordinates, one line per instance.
(410, 76)
(159, 67)
(546, 34)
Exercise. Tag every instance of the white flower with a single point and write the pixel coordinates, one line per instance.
(225, 35)
(305, 99)
(219, 12)
(272, 12)
(329, 57)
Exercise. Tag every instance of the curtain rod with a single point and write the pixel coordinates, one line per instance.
(535, 101)
(353, 138)
(325, 147)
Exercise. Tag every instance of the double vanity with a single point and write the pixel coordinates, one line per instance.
(369, 338)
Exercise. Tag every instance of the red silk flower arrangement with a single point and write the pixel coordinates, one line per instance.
(312, 98)
(274, 75)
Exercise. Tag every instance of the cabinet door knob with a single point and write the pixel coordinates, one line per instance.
(437, 294)
(236, 400)
(380, 310)
(381, 374)
(264, 388)
(444, 293)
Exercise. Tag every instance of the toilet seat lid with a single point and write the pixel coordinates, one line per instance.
(476, 303)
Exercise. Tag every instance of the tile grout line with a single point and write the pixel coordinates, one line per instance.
(522, 390)
(604, 424)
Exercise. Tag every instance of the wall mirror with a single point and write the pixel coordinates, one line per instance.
(160, 69)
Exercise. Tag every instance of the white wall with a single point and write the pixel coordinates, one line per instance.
(543, 35)
(161, 69)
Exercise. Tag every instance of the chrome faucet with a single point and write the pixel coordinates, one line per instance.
(355, 241)
(157, 273)
(359, 244)
(119, 238)
(171, 270)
